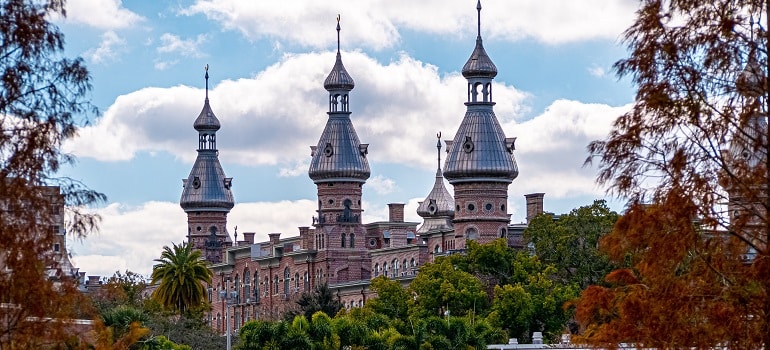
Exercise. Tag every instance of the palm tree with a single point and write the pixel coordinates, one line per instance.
(181, 272)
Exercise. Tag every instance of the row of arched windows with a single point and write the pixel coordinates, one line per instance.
(396, 268)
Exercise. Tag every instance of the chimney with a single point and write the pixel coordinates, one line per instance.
(248, 237)
(534, 205)
(274, 237)
(396, 212)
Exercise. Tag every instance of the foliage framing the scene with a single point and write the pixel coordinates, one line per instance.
(692, 158)
(43, 98)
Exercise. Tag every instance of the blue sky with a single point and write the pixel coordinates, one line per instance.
(555, 92)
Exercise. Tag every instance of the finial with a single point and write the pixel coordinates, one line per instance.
(207, 81)
(338, 32)
(478, 9)
(438, 147)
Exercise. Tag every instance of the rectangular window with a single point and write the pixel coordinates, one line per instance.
(56, 247)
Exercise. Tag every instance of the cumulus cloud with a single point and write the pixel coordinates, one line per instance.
(272, 118)
(551, 148)
(108, 48)
(131, 237)
(102, 14)
(377, 24)
(381, 184)
(170, 43)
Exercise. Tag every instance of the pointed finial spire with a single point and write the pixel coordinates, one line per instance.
(478, 17)
(207, 81)
(338, 33)
(438, 147)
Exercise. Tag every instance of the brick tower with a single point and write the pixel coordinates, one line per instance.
(339, 169)
(206, 194)
(480, 162)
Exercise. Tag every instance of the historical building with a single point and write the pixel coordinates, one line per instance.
(264, 279)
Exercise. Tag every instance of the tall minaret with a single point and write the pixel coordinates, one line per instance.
(746, 157)
(339, 169)
(480, 162)
(437, 209)
(206, 197)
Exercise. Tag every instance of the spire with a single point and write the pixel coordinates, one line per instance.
(438, 202)
(338, 80)
(479, 65)
(207, 188)
(480, 149)
(339, 155)
(206, 120)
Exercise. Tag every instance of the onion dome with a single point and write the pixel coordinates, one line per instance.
(207, 188)
(479, 64)
(438, 202)
(339, 154)
(480, 151)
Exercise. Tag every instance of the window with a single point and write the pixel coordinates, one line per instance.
(306, 285)
(256, 287)
(352, 240)
(286, 281)
(237, 290)
(343, 240)
(275, 284)
(471, 234)
(246, 286)
(219, 322)
(376, 270)
(405, 266)
(56, 247)
(296, 282)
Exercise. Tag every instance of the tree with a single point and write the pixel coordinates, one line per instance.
(570, 242)
(321, 298)
(181, 272)
(43, 98)
(391, 300)
(440, 287)
(691, 157)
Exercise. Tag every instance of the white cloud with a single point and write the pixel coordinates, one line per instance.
(381, 184)
(163, 65)
(597, 71)
(551, 148)
(132, 237)
(377, 24)
(102, 14)
(170, 43)
(273, 118)
(108, 48)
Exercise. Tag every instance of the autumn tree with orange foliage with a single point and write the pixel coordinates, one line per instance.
(691, 157)
(43, 97)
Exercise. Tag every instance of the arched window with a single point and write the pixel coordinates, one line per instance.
(256, 287)
(267, 286)
(275, 284)
(306, 286)
(437, 249)
(343, 240)
(471, 234)
(219, 322)
(296, 282)
(413, 263)
(405, 267)
(376, 270)
(395, 264)
(237, 289)
(352, 240)
(246, 285)
(286, 281)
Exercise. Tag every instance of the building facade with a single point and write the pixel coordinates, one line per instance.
(264, 279)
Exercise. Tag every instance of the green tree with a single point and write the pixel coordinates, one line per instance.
(691, 156)
(181, 273)
(321, 298)
(570, 242)
(43, 99)
(391, 300)
(440, 286)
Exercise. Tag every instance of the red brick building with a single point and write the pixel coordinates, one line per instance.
(264, 279)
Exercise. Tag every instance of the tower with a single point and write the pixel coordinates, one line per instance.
(206, 194)
(480, 162)
(339, 169)
(746, 158)
(438, 211)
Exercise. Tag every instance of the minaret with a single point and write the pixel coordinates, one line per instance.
(746, 156)
(206, 197)
(339, 169)
(438, 211)
(480, 162)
